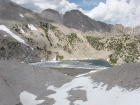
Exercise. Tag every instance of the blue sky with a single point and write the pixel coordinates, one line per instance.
(125, 12)
(87, 4)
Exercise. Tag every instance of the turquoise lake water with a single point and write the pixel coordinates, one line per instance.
(75, 67)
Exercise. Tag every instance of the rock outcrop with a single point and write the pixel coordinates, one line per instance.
(13, 50)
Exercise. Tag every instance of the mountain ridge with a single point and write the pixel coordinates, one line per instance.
(77, 20)
(50, 39)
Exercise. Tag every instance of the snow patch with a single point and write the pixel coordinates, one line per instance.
(21, 15)
(91, 72)
(27, 98)
(96, 93)
(4, 28)
(54, 59)
(32, 27)
(42, 60)
(22, 31)
(108, 60)
(32, 48)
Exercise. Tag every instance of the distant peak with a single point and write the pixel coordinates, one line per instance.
(49, 9)
(74, 10)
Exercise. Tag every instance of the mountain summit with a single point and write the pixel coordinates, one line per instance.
(53, 15)
(76, 19)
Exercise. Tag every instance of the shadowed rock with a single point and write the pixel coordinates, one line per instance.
(76, 19)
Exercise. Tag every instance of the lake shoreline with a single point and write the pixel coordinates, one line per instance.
(75, 67)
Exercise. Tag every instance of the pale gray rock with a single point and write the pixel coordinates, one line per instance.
(16, 78)
(126, 76)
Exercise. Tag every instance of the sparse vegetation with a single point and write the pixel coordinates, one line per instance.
(40, 49)
(46, 27)
(66, 48)
(60, 57)
(70, 41)
(49, 52)
(2, 48)
(16, 28)
(124, 47)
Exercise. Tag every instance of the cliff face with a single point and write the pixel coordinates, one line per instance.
(76, 19)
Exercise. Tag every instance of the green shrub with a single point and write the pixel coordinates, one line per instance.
(60, 57)
(2, 48)
(49, 52)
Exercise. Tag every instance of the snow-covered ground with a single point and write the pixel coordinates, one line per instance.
(43, 86)
(4, 28)
(96, 93)
(22, 31)
(27, 98)
(32, 27)
(21, 15)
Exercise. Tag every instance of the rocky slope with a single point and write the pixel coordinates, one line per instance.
(38, 35)
(10, 13)
(76, 19)
(21, 84)
(19, 80)
(30, 37)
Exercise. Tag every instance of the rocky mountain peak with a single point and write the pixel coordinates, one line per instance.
(50, 10)
(53, 15)
(75, 11)
(76, 19)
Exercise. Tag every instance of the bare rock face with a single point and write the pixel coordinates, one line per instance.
(13, 50)
(53, 15)
(11, 12)
(76, 19)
